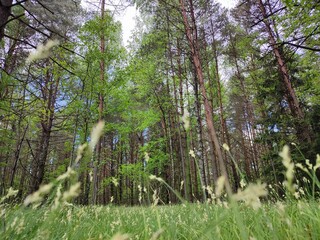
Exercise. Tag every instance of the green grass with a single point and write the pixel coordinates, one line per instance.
(295, 220)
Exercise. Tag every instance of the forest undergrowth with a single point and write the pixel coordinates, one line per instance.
(256, 211)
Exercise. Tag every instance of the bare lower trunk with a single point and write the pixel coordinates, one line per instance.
(17, 154)
(40, 161)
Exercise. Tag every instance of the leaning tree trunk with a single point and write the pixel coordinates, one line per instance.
(296, 111)
(192, 40)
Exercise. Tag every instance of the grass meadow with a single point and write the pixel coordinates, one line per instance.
(291, 220)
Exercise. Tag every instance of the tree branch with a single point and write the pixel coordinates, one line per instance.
(266, 17)
(45, 7)
(18, 3)
(11, 19)
(300, 46)
(36, 47)
(50, 30)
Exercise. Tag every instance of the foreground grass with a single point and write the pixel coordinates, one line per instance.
(296, 220)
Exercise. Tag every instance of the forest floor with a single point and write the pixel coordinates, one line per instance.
(279, 220)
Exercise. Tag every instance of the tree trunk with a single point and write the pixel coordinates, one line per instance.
(202, 164)
(296, 111)
(17, 152)
(49, 92)
(5, 11)
(191, 36)
(101, 109)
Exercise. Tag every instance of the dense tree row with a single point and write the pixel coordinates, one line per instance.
(196, 77)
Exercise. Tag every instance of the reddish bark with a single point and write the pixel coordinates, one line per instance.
(192, 40)
(296, 111)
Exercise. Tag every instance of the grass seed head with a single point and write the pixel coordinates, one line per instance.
(296, 195)
(157, 234)
(42, 51)
(11, 193)
(186, 119)
(317, 163)
(299, 165)
(309, 164)
(146, 157)
(58, 197)
(96, 134)
(181, 185)
(115, 181)
(220, 185)
(73, 192)
(153, 177)
(251, 195)
(243, 183)
(140, 193)
(37, 196)
(91, 176)
(155, 198)
(226, 147)
(192, 154)
(81, 149)
(67, 174)
(289, 165)
(119, 236)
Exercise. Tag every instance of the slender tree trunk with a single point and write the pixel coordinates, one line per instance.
(202, 164)
(84, 177)
(121, 176)
(191, 36)
(49, 92)
(224, 129)
(170, 130)
(22, 182)
(296, 111)
(173, 180)
(20, 137)
(166, 125)
(182, 149)
(101, 109)
(20, 141)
